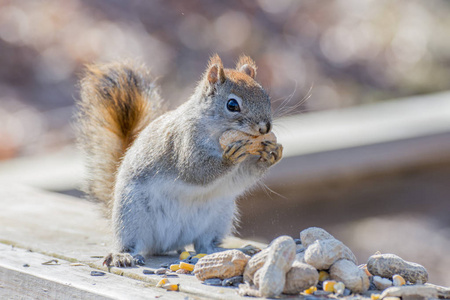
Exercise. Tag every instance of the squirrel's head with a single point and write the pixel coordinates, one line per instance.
(235, 97)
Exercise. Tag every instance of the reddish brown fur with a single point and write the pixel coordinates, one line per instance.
(118, 101)
(244, 85)
(246, 60)
(215, 69)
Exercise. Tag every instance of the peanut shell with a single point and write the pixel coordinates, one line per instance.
(270, 279)
(381, 283)
(311, 234)
(231, 136)
(221, 265)
(323, 253)
(410, 291)
(443, 292)
(247, 289)
(254, 264)
(300, 277)
(348, 273)
(387, 265)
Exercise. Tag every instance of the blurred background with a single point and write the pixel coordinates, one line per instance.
(338, 68)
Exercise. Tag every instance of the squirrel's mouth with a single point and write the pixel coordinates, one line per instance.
(259, 129)
(257, 133)
(248, 132)
(255, 129)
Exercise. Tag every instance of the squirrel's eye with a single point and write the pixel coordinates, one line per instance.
(233, 105)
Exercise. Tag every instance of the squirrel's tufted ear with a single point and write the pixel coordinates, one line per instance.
(246, 65)
(215, 71)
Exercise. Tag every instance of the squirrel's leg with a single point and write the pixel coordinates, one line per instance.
(207, 244)
(219, 225)
(222, 223)
(128, 247)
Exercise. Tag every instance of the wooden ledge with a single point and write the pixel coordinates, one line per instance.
(37, 226)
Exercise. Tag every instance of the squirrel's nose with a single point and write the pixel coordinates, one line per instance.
(264, 127)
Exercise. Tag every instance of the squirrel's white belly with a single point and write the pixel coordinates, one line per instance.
(177, 213)
(169, 214)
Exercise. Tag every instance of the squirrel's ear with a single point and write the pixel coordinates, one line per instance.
(215, 72)
(246, 65)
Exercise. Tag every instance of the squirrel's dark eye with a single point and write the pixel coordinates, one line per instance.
(233, 105)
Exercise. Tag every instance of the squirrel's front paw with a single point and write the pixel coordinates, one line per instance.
(236, 152)
(271, 153)
(123, 260)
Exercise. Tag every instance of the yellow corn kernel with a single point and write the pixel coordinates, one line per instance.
(375, 296)
(184, 255)
(323, 275)
(162, 282)
(328, 285)
(171, 287)
(186, 266)
(398, 280)
(200, 255)
(339, 288)
(174, 267)
(311, 290)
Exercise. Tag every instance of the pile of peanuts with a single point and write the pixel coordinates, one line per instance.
(316, 264)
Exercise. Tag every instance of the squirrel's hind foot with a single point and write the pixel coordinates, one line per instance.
(249, 249)
(123, 260)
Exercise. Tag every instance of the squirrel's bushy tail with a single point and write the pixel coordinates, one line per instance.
(118, 100)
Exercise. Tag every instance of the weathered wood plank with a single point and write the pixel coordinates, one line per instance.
(73, 230)
(64, 281)
(52, 223)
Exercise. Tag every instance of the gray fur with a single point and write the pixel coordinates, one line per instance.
(174, 186)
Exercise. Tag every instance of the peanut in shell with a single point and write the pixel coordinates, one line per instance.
(271, 278)
(388, 265)
(323, 253)
(254, 264)
(221, 265)
(300, 277)
(312, 234)
(255, 146)
(348, 273)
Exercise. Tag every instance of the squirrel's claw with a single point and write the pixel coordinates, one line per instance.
(139, 260)
(236, 152)
(123, 260)
(272, 152)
